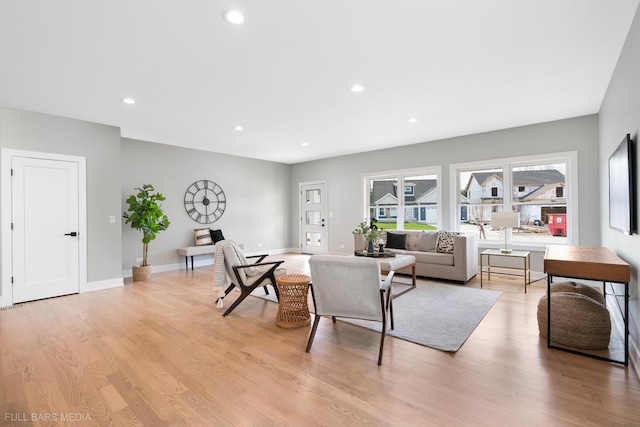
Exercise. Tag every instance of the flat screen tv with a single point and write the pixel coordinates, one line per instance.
(621, 191)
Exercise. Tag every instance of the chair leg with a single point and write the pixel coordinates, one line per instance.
(312, 335)
(391, 310)
(383, 333)
(242, 296)
(384, 305)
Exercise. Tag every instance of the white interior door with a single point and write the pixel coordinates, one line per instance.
(45, 221)
(313, 229)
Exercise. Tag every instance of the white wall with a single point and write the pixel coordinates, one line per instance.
(619, 115)
(344, 174)
(100, 145)
(257, 212)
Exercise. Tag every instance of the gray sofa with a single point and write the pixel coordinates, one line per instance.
(439, 254)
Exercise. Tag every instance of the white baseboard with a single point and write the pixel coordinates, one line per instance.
(204, 261)
(104, 284)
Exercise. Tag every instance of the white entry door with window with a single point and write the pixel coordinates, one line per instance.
(45, 223)
(313, 228)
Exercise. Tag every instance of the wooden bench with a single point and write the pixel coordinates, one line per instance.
(191, 251)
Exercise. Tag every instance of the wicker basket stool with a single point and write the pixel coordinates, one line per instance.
(578, 316)
(293, 311)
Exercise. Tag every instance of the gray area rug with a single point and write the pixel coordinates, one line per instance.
(436, 315)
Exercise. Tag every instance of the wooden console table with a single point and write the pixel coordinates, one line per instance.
(588, 263)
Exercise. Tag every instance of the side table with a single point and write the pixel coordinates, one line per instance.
(293, 310)
(525, 268)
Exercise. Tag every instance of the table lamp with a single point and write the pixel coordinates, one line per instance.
(506, 220)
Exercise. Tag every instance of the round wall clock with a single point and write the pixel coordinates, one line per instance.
(205, 201)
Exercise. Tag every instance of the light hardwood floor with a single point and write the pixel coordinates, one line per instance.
(159, 353)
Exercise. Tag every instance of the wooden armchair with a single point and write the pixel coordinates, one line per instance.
(230, 262)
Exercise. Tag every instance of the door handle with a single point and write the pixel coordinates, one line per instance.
(72, 234)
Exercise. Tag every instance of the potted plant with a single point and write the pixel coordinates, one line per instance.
(367, 234)
(145, 215)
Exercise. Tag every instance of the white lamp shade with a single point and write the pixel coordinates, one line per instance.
(505, 219)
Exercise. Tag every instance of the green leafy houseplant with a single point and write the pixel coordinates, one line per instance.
(146, 215)
(369, 232)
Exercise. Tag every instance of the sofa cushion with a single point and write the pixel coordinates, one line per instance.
(396, 240)
(427, 241)
(433, 258)
(445, 242)
(411, 244)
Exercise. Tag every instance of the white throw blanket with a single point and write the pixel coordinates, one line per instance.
(220, 273)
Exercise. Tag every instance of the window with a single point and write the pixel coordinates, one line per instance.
(404, 199)
(540, 188)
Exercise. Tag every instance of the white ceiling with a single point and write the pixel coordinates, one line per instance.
(458, 66)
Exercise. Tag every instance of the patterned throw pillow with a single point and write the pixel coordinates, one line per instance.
(203, 237)
(445, 242)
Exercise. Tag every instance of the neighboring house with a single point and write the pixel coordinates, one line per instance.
(420, 200)
(537, 193)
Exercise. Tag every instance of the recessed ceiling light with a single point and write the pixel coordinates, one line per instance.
(233, 16)
(238, 128)
(128, 100)
(357, 88)
(305, 144)
(413, 120)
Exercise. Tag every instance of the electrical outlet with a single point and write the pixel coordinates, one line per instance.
(341, 246)
(139, 259)
(241, 245)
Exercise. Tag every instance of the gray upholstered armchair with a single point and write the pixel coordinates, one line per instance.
(351, 287)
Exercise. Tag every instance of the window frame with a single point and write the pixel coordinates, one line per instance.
(569, 158)
(400, 175)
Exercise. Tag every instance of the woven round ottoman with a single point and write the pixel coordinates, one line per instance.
(293, 311)
(585, 290)
(579, 317)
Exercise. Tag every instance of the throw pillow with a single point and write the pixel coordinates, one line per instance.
(427, 241)
(445, 242)
(396, 240)
(203, 237)
(216, 236)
